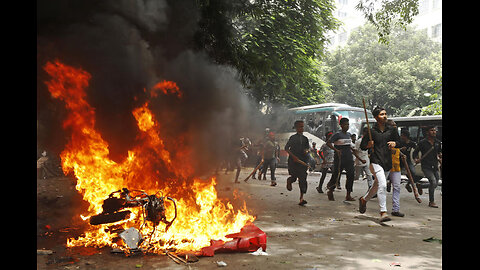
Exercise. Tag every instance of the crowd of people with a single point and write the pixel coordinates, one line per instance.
(380, 154)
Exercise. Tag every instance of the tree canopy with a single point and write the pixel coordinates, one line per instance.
(275, 45)
(386, 14)
(402, 76)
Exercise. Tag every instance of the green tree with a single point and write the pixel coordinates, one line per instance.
(435, 106)
(275, 45)
(387, 14)
(399, 76)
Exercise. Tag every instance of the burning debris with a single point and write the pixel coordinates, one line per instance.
(153, 208)
(121, 212)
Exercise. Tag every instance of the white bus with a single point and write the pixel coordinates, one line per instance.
(319, 119)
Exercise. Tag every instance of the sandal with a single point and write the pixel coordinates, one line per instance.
(330, 195)
(289, 183)
(384, 217)
(302, 203)
(362, 205)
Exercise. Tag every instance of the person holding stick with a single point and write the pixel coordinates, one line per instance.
(406, 147)
(431, 148)
(382, 138)
(297, 148)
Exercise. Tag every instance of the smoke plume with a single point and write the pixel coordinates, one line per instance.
(129, 46)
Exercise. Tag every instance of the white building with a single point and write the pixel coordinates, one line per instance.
(429, 18)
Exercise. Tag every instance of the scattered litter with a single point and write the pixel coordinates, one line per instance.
(396, 254)
(138, 265)
(433, 239)
(221, 264)
(44, 252)
(62, 260)
(259, 252)
(395, 264)
(131, 237)
(376, 260)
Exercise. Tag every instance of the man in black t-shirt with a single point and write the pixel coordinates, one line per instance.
(383, 138)
(431, 149)
(343, 159)
(297, 148)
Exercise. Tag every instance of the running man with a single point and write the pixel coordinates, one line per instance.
(297, 148)
(384, 138)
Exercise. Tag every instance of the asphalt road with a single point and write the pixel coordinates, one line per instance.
(320, 235)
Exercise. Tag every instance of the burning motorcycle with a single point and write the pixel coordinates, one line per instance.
(153, 210)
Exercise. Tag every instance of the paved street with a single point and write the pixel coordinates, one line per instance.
(323, 234)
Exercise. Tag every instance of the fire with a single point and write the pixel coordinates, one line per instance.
(149, 166)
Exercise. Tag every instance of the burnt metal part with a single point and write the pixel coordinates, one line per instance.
(109, 217)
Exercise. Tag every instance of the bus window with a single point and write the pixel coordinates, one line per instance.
(413, 133)
(333, 125)
(439, 133)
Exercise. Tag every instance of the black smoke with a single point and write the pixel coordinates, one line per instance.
(128, 46)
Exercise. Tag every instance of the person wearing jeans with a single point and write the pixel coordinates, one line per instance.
(270, 156)
(395, 177)
(431, 149)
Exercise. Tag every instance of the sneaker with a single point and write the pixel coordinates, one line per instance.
(289, 183)
(319, 189)
(398, 214)
(273, 183)
(432, 204)
(408, 188)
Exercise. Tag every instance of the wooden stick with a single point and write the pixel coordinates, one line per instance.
(296, 159)
(424, 155)
(254, 171)
(175, 258)
(410, 178)
(372, 170)
(366, 118)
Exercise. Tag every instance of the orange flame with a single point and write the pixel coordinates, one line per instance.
(149, 166)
